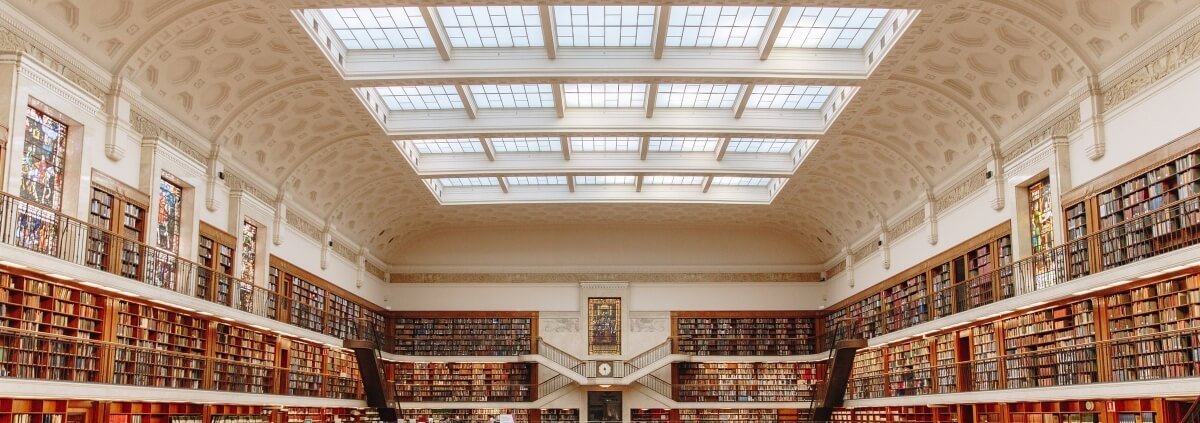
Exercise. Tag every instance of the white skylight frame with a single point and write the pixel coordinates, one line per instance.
(447, 146)
(717, 26)
(605, 144)
(681, 180)
(540, 180)
(683, 144)
(790, 97)
(512, 96)
(604, 26)
(525, 144)
(698, 96)
(605, 95)
(743, 145)
(491, 26)
(829, 27)
(420, 97)
(605, 180)
(373, 28)
(742, 181)
(468, 182)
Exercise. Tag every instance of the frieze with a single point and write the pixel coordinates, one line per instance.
(836, 269)
(907, 225)
(973, 182)
(1063, 126)
(623, 277)
(1161, 65)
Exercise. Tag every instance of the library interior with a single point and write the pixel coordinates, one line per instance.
(675, 211)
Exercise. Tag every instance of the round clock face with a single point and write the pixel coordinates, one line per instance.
(605, 368)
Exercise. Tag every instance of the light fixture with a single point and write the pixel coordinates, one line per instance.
(605, 386)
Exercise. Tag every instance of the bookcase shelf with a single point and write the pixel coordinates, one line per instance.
(698, 415)
(907, 302)
(169, 347)
(478, 334)
(556, 415)
(909, 370)
(1135, 199)
(307, 303)
(744, 334)
(1051, 347)
(867, 379)
(943, 293)
(866, 311)
(32, 411)
(470, 415)
(245, 359)
(463, 382)
(1141, 322)
(984, 353)
(946, 363)
(649, 415)
(342, 371)
(305, 362)
(978, 288)
(47, 307)
(746, 382)
(154, 412)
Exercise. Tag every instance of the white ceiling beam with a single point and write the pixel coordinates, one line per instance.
(722, 147)
(503, 184)
(560, 102)
(596, 122)
(660, 30)
(645, 148)
(548, 31)
(651, 98)
(565, 144)
(438, 32)
(487, 149)
(743, 99)
(571, 183)
(707, 183)
(551, 163)
(774, 25)
(468, 102)
(638, 183)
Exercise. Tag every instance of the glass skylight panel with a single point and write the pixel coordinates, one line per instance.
(790, 97)
(683, 144)
(716, 26)
(526, 144)
(604, 26)
(379, 27)
(673, 180)
(469, 182)
(605, 144)
(605, 180)
(536, 180)
(605, 95)
(829, 27)
(492, 26)
(702, 96)
(448, 146)
(512, 96)
(761, 145)
(421, 97)
(741, 181)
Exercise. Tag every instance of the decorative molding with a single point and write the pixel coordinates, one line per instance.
(559, 325)
(866, 250)
(303, 226)
(622, 277)
(375, 270)
(837, 268)
(910, 223)
(963, 189)
(235, 180)
(149, 127)
(1160, 64)
(647, 325)
(1063, 124)
(14, 39)
(343, 249)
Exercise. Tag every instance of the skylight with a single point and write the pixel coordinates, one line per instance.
(789, 97)
(536, 180)
(379, 27)
(604, 26)
(828, 27)
(741, 181)
(492, 26)
(606, 180)
(716, 26)
(683, 144)
(605, 144)
(526, 144)
(703, 96)
(512, 96)
(761, 145)
(421, 97)
(469, 182)
(673, 180)
(448, 146)
(605, 95)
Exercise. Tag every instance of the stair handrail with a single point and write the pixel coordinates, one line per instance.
(563, 358)
(655, 353)
(555, 383)
(656, 384)
(1192, 415)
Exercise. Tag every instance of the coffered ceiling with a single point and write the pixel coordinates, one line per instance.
(248, 75)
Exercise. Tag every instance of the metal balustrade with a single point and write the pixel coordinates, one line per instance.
(656, 384)
(648, 357)
(561, 357)
(553, 384)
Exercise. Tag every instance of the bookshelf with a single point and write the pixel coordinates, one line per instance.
(33, 411)
(978, 288)
(229, 413)
(867, 379)
(870, 415)
(153, 412)
(36, 305)
(916, 414)
(946, 362)
(869, 311)
(469, 415)
(305, 363)
(465, 334)
(307, 303)
(463, 382)
(342, 370)
(744, 333)
(206, 257)
(1004, 275)
(942, 279)
(909, 371)
(698, 415)
(945, 414)
(984, 354)
(1076, 219)
(245, 359)
(215, 256)
(1134, 199)
(1051, 347)
(99, 243)
(746, 382)
(168, 347)
(907, 302)
(556, 415)
(1140, 321)
(133, 226)
(649, 415)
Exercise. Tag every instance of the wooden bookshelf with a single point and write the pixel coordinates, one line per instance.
(907, 303)
(555, 415)
(705, 415)
(43, 306)
(307, 309)
(215, 256)
(1078, 221)
(310, 302)
(33, 410)
(985, 356)
(1140, 324)
(871, 415)
(245, 359)
(1051, 347)
(464, 333)
(915, 414)
(1005, 283)
(746, 382)
(751, 333)
(942, 280)
(464, 382)
(345, 317)
(978, 285)
(168, 347)
(341, 369)
(909, 368)
(153, 412)
(946, 363)
(305, 364)
(867, 379)
(470, 415)
(650, 415)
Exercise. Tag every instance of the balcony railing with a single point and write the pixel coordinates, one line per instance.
(29, 226)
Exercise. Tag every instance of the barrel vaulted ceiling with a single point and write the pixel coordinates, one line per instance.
(964, 77)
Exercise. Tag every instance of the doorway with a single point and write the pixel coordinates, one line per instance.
(605, 406)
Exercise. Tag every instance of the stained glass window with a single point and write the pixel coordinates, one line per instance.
(43, 159)
(604, 325)
(249, 250)
(1041, 216)
(170, 198)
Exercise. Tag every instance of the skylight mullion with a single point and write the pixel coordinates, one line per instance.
(512, 96)
(716, 26)
(420, 97)
(604, 26)
(379, 27)
(492, 26)
(828, 27)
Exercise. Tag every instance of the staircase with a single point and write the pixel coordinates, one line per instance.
(845, 339)
(1193, 413)
(379, 394)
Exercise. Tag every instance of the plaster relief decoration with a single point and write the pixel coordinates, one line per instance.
(604, 326)
(650, 325)
(560, 325)
(1175, 58)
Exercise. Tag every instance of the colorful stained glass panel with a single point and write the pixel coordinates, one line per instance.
(44, 159)
(604, 326)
